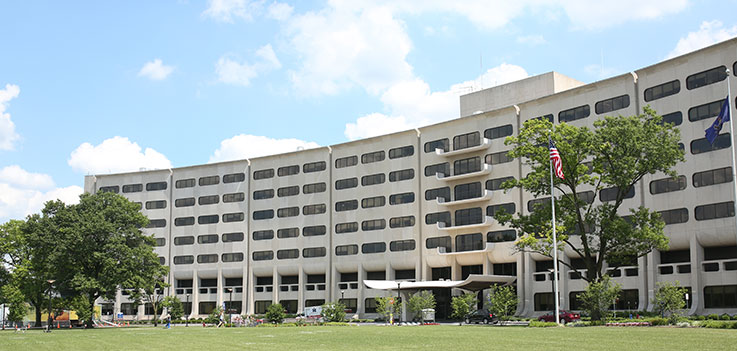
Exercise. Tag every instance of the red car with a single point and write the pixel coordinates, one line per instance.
(565, 317)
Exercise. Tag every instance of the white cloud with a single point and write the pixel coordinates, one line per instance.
(531, 39)
(17, 176)
(586, 14)
(247, 146)
(226, 10)
(155, 70)
(233, 72)
(24, 193)
(114, 155)
(280, 11)
(710, 32)
(8, 136)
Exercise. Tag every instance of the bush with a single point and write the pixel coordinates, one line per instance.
(275, 313)
(712, 316)
(659, 321)
(333, 312)
(539, 324)
(715, 324)
(725, 317)
(700, 318)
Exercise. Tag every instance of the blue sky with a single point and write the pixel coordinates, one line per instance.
(90, 87)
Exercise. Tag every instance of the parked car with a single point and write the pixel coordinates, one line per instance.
(565, 317)
(481, 316)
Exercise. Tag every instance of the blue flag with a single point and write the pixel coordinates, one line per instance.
(713, 131)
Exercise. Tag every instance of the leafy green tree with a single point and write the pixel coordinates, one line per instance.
(14, 298)
(598, 296)
(214, 316)
(463, 305)
(420, 301)
(503, 302)
(173, 306)
(151, 294)
(275, 313)
(333, 312)
(79, 304)
(668, 300)
(388, 306)
(615, 155)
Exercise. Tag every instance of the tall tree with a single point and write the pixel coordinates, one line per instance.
(503, 302)
(615, 155)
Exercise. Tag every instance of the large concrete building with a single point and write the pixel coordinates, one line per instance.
(310, 226)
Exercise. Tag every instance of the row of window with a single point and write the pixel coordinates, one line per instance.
(206, 219)
(469, 139)
(285, 171)
(134, 188)
(375, 156)
(308, 252)
(209, 258)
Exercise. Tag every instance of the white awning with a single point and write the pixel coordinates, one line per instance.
(474, 282)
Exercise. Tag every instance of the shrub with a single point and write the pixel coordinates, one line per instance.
(715, 324)
(333, 312)
(275, 313)
(725, 317)
(712, 316)
(700, 318)
(539, 324)
(659, 321)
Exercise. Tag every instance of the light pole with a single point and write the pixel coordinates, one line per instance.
(4, 315)
(396, 305)
(186, 323)
(48, 326)
(230, 303)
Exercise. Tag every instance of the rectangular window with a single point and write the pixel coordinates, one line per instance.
(208, 200)
(442, 144)
(233, 237)
(154, 205)
(663, 90)
(712, 177)
(499, 132)
(675, 216)
(132, 188)
(403, 198)
(613, 104)
(544, 302)
(348, 205)
(469, 216)
(702, 145)
(285, 233)
(432, 194)
(287, 212)
(232, 257)
(438, 217)
(309, 252)
(574, 113)
(313, 209)
(674, 118)
(109, 189)
(288, 170)
(347, 183)
(667, 185)
(492, 210)
(372, 157)
(346, 250)
(373, 179)
(207, 239)
(501, 236)
(184, 183)
(399, 152)
(496, 183)
(467, 140)
(262, 255)
(314, 167)
(156, 186)
(263, 214)
(185, 202)
(439, 241)
(156, 223)
(234, 197)
(714, 75)
(288, 254)
(508, 269)
(233, 217)
(350, 227)
(288, 191)
(398, 176)
(610, 194)
(263, 235)
(469, 242)
(536, 204)
(467, 165)
(160, 242)
(315, 230)
(183, 240)
(498, 158)
(211, 180)
(370, 248)
(183, 221)
(346, 161)
(442, 168)
(705, 111)
(263, 174)
(713, 211)
(188, 259)
(373, 224)
(548, 117)
(720, 296)
(402, 222)
(314, 188)
(234, 178)
(402, 245)
(376, 201)
(208, 219)
(467, 191)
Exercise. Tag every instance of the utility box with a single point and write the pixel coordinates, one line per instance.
(428, 315)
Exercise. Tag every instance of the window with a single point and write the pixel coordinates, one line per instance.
(399, 152)
(287, 212)
(376, 275)
(153, 205)
(348, 205)
(233, 237)
(370, 248)
(438, 217)
(183, 240)
(499, 132)
(469, 242)
(705, 111)
(675, 256)
(232, 257)
(467, 140)
(208, 200)
(467, 165)
(405, 174)
(720, 253)
(350, 227)
(712, 177)
(467, 191)
(720, 296)
(702, 145)
(313, 209)
(496, 183)
(438, 241)
(610, 194)
(346, 250)
(442, 144)
(185, 202)
(698, 80)
(288, 191)
(263, 235)
(187, 259)
(263, 174)
(613, 104)
(314, 188)
(574, 113)
(156, 223)
(346, 161)
(401, 222)
(544, 302)
(674, 216)
(314, 167)
(674, 118)
(184, 183)
(432, 194)
(132, 188)
(509, 269)
(403, 198)
(287, 254)
(534, 204)
(468, 216)
(208, 219)
(372, 157)
(263, 214)
(498, 158)
(404, 274)
(109, 189)
(492, 210)
(548, 117)
(160, 242)
(501, 236)
(442, 168)
(402, 245)
(285, 233)
(234, 178)
(341, 184)
(373, 224)
(207, 239)
(234, 197)
(262, 255)
(315, 230)
(667, 185)
(233, 217)
(373, 179)
(663, 90)
(713, 211)
(376, 201)
(183, 221)
(211, 180)
(156, 186)
(287, 170)
(309, 252)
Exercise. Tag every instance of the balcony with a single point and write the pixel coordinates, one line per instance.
(487, 222)
(485, 197)
(481, 147)
(485, 170)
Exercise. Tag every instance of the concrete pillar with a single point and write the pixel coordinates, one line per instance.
(697, 288)
(275, 285)
(220, 287)
(244, 294)
(301, 294)
(195, 294)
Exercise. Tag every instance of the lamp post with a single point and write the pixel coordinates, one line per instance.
(3, 319)
(399, 312)
(186, 323)
(48, 324)
(230, 303)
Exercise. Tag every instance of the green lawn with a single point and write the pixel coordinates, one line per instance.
(448, 337)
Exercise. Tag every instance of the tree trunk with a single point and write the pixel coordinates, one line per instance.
(38, 315)
(89, 323)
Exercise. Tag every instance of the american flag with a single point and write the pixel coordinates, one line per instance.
(555, 157)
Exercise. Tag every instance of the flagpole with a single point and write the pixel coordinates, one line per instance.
(731, 143)
(555, 247)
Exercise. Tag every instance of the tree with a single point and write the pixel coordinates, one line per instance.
(668, 300)
(462, 305)
(333, 312)
(388, 307)
(420, 301)
(615, 155)
(275, 313)
(14, 298)
(503, 302)
(173, 306)
(598, 296)
(151, 294)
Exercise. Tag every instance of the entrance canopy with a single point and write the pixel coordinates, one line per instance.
(474, 282)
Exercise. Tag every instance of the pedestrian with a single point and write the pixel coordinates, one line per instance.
(222, 319)
(168, 321)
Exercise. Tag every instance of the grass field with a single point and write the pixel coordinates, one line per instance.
(371, 337)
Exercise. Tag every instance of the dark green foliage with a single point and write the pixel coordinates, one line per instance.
(333, 312)
(275, 313)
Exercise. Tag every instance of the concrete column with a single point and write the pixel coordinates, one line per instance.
(244, 294)
(220, 287)
(195, 294)
(697, 288)
(251, 307)
(359, 294)
(275, 285)
(301, 294)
